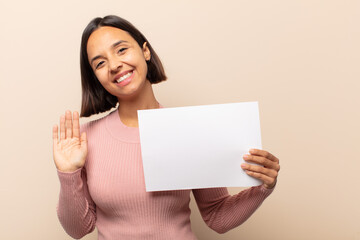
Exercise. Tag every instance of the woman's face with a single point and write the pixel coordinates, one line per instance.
(118, 61)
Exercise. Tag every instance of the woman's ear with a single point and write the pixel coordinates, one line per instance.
(146, 51)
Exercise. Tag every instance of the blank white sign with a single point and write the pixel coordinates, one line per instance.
(199, 146)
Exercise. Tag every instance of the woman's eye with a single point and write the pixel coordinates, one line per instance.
(121, 50)
(99, 64)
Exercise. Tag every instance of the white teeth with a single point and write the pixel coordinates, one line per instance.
(124, 77)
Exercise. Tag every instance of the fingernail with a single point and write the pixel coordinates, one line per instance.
(246, 156)
(243, 165)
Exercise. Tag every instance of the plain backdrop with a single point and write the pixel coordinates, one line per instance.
(300, 59)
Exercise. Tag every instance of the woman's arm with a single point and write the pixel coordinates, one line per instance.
(223, 212)
(76, 210)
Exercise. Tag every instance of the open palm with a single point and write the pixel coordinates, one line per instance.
(71, 149)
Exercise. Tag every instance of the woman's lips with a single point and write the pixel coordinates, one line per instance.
(125, 79)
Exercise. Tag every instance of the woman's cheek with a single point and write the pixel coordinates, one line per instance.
(103, 81)
(128, 59)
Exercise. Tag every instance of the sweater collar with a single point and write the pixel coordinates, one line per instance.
(120, 131)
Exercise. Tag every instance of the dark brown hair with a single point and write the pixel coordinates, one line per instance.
(95, 99)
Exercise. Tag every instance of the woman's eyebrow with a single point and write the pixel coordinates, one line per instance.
(94, 58)
(118, 43)
(113, 46)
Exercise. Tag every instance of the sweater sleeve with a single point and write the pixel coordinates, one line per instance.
(76, 210)
(223, 212)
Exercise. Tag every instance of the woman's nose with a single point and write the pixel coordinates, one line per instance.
(115, 65)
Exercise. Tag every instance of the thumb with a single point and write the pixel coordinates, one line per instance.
(83, 141)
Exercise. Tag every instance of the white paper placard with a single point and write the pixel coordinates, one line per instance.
(199, 146)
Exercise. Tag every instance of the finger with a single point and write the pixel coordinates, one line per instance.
(263, 153)
(259, 169)
(262, 161)
(55, 134)
(62, 127)
(68, 124)
(266, 179)
(76, 125)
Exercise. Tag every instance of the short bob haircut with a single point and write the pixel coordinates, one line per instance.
(95, 99)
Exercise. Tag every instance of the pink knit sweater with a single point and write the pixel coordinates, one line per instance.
(109, 193)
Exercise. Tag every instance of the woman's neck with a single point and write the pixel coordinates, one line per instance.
(128, 107)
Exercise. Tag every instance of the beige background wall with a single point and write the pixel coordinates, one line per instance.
(299, 59)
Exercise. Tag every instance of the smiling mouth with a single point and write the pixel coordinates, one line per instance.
(119, 80)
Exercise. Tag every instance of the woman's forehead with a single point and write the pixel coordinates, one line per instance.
(105, 37)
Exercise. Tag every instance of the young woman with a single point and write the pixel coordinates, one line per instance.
(100, 168)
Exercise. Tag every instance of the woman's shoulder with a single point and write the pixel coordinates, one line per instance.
(96, 123)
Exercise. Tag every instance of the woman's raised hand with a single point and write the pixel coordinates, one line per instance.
(71, 149)
(269, 170)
